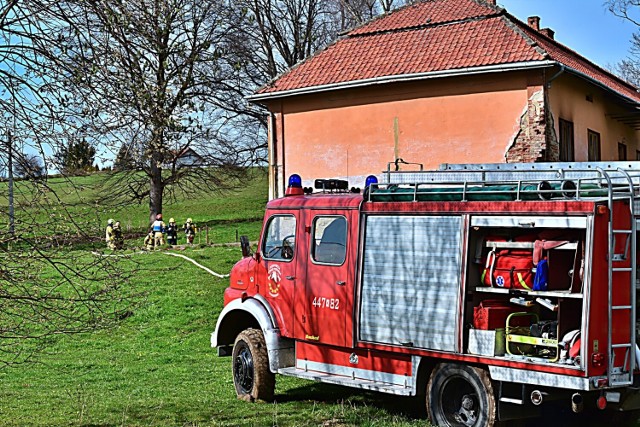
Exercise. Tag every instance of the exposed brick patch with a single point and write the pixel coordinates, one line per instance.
(536, 140)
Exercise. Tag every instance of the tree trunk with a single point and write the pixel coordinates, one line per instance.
(156, 187)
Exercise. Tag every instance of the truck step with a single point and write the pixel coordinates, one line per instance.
(347, 381)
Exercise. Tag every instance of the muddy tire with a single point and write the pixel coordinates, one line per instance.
(251, 375)
(459, 395)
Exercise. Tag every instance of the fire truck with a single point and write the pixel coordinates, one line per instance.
(487, 291)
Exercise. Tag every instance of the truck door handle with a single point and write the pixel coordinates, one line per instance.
(289, 277)
(341, 283)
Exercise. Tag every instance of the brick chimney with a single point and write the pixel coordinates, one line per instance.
(548, 32)
(491, 2)
(534, 22)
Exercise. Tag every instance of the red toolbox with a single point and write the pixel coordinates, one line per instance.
(492, 314)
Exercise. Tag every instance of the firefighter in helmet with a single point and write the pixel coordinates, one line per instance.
(190, 230)
(172, 232)
(149, 241)
(158, 228)
(110, 235)
(118, 238)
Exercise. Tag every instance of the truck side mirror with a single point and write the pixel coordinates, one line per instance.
(245, 246)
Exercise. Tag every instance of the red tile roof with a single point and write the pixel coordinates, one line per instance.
(573, 60)
(435, 12)
(430, 37)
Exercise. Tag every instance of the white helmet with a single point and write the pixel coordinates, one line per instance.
(110, 221)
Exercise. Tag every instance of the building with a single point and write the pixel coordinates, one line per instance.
(186, 158)
(444, 81)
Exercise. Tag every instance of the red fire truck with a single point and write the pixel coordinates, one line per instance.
(490, 290)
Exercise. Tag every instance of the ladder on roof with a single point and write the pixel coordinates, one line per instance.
(578, 172)
(620, 373)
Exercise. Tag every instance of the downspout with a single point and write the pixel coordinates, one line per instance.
(284, 179)
(273, 158)
(556, 75)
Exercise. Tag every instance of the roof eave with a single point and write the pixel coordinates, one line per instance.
(401, 78)
(602, 85)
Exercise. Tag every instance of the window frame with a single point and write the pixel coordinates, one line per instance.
(595, 137)
(266, 234)
(313, 240)
(564, 146)
(624, 151)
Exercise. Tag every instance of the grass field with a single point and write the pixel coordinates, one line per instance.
(223, 215)
(157, 368)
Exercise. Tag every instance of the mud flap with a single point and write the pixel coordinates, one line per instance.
(514, 402)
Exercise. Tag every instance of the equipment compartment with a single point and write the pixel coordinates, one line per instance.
(527, 318)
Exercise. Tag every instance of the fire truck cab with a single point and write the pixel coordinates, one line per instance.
(490, 290)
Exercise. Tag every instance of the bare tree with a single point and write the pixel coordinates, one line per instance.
(145, 74)
(46, 288)
(29, 166)
(628, 68)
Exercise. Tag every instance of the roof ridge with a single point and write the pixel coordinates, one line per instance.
(528, 39)
(494, 10)
(427, 25)
(489, 4)
(525, 28)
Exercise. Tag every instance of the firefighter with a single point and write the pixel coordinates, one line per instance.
(118, 238)
(190, 230)
(158, 228)
(110, 235)
(172, 232)
(149, 241)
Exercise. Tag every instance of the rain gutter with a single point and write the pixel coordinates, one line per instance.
(468, 71)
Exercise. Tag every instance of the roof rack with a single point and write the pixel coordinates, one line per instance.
(510, 181)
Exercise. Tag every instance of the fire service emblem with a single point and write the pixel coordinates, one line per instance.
(273, 279)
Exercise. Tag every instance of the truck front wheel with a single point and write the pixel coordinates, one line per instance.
(251, 375)
(459, 395)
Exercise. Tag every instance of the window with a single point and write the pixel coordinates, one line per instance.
(637, 154)
(566, 141)
(280, 237)
(594, 145)
(329, 240)
(622, 151)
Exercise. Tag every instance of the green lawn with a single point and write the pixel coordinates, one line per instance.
(222, 215)
(157, 367)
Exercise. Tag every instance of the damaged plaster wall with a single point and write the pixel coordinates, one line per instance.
(536, 140)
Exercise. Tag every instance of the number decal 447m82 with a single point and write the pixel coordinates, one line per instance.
(330, 303)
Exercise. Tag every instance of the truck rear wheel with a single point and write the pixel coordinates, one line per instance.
(251, 375)
(459, 395)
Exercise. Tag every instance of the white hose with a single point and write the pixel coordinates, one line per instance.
(222, 276)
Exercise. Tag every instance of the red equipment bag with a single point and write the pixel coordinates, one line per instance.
(509, 268)
(492, 314)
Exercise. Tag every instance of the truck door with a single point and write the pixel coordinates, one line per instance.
(279, 254)
(327, 280)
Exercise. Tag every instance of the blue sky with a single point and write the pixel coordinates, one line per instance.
(585, 26)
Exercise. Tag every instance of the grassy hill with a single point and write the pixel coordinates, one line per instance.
(79, 199)
(157, 368)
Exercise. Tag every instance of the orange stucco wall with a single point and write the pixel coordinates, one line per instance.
(354, 133)
(350, 134)
(568, 101)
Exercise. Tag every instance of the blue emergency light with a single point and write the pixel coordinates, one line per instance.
(295, 186)
(295, 181)
(371, 179)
